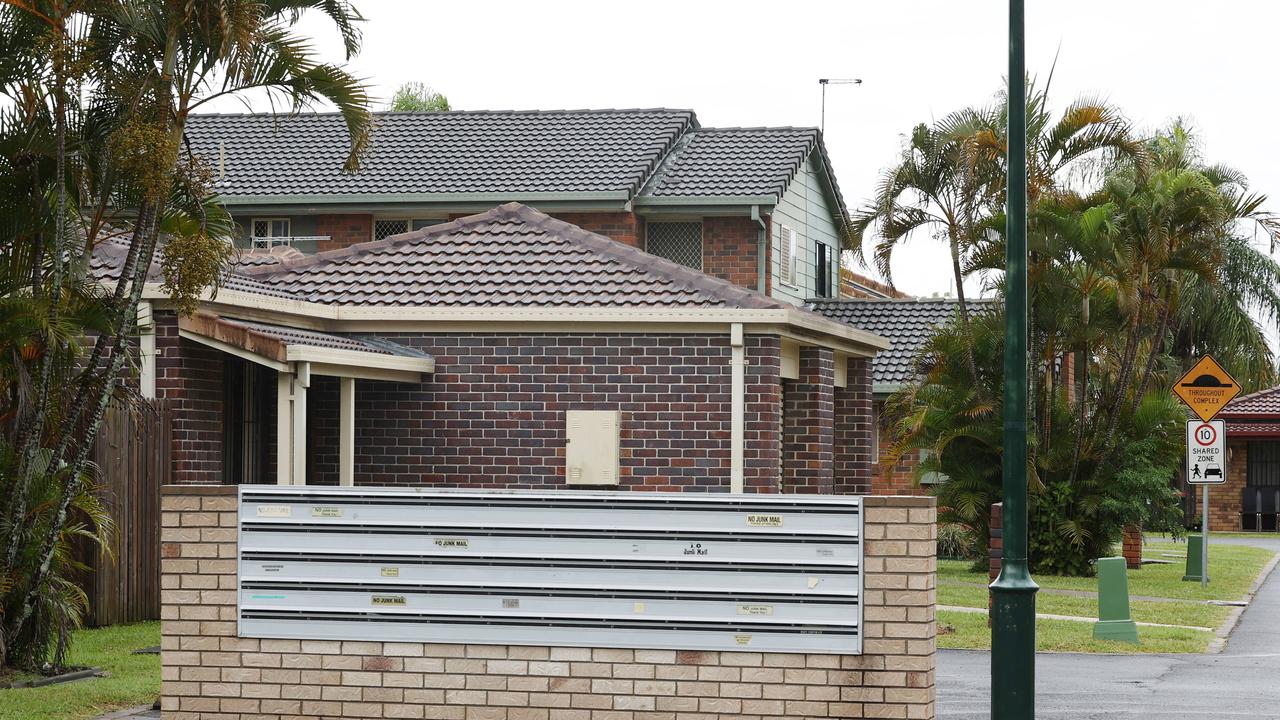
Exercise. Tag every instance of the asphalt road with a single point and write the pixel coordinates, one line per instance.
(1241, 682)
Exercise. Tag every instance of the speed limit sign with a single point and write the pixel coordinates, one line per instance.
(1206, 452)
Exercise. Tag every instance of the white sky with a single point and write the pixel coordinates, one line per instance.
(757, 63)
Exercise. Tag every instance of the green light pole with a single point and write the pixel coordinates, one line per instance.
(1013, 594)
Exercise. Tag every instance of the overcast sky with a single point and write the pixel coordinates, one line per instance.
(741, 63)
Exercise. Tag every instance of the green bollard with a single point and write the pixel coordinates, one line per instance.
(1114, 622)
(1195, 557)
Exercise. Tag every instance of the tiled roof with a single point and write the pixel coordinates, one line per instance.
(558, 151)
(1253, 429)
(109, 255)
(732, 162)
(311, 338)
(856, 285)
(1263, 403)
(906, 324)
(511, 256)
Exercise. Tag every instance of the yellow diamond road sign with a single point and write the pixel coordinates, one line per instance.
(1206, 388)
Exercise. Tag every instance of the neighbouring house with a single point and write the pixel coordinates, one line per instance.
(856, 285)
(907, 324)
(506, 349)
(1250, 497)
(757, 207)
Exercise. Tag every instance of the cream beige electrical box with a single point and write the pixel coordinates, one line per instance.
(591, 447)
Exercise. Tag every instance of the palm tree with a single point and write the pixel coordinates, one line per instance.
(152, 64)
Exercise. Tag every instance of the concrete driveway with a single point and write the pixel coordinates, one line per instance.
(1241, 682)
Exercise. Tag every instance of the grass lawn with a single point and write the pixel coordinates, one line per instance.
(1232, 570)
(971, 632)
(134, 679)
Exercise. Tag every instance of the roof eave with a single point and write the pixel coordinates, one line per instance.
(487, 198)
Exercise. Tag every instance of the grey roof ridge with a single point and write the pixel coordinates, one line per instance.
(908, 300)
(675, 272)
(759, 128)
(559, 111)
(659, 170)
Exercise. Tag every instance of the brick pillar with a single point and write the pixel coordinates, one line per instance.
(1132, 546)
(853, 428)
(995, 553)
(808, 424)
(762, 446)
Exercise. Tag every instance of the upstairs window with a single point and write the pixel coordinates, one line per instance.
(270, 232)
(679, 242)
(787, 270)
(824, 269)
(386, 227)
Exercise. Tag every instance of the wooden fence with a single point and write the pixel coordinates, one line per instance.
(133, 455)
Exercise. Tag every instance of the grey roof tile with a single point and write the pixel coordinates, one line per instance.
(713, 162)
(557, 151)
(906, 324)
(511, 256)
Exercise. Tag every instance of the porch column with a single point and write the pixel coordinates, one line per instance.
(291, 425)
(347, 431)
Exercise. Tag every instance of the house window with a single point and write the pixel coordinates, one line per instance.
(679, 242)
(787, 255)
(1263, 463)
(386, 227)
(269, 232)
(823, 263)
(930, 478)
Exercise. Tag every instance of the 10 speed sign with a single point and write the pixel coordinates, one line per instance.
(1206, 452)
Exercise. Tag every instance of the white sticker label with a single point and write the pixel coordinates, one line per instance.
(637, 607)
(742, 639)
(764, 520)
(390, 572)
(755, 609)
(388, 600)
(813, 583)
(452, 543)
(275, 511)
(329, 512)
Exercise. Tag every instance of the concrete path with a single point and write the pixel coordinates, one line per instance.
(1241, 682)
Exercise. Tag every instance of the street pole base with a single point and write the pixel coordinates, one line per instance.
(1118, 630)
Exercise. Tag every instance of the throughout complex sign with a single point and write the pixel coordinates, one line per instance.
(1206, 388)
(1206, 452)
(695, 571)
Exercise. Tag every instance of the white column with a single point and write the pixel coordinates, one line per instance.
(284, 428)
(301, 381)
(347, 431)
(146, 351)
(738, 407)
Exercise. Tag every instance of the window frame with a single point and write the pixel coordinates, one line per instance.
(789, 270)
(286, 238)
(408, 220)
(823, 267)
(702, 239)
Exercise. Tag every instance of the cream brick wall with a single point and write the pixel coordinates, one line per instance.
(210, 674)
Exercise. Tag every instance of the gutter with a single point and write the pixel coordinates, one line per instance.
(762, 287)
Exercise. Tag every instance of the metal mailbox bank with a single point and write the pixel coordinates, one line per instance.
(767, 573)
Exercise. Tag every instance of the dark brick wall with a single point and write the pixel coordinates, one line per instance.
(343, 230)
(493, 414)
(853, 428)
(890, 475)
(190, 376)
(808, 424)
(624, 227)
(730, 249)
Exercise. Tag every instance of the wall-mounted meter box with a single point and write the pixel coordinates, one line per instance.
(690, 571)
(591, 447)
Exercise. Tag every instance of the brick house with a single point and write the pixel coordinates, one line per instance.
(758, 207)
(906, 323)
(1250, 498)
(470, 352)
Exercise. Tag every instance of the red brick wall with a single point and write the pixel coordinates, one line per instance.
(190, 376)
(808, 424)
(343, 230)
(493, 413)
(729, 249)
(1224, 499)
(890, 476)
(623, 227)
(853, 430)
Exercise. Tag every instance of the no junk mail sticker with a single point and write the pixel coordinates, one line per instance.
(1206, 388)
(1206, 452)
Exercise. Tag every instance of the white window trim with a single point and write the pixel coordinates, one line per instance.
(253, 239)
(788, 271)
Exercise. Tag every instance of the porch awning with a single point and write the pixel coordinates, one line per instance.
(278, 346)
